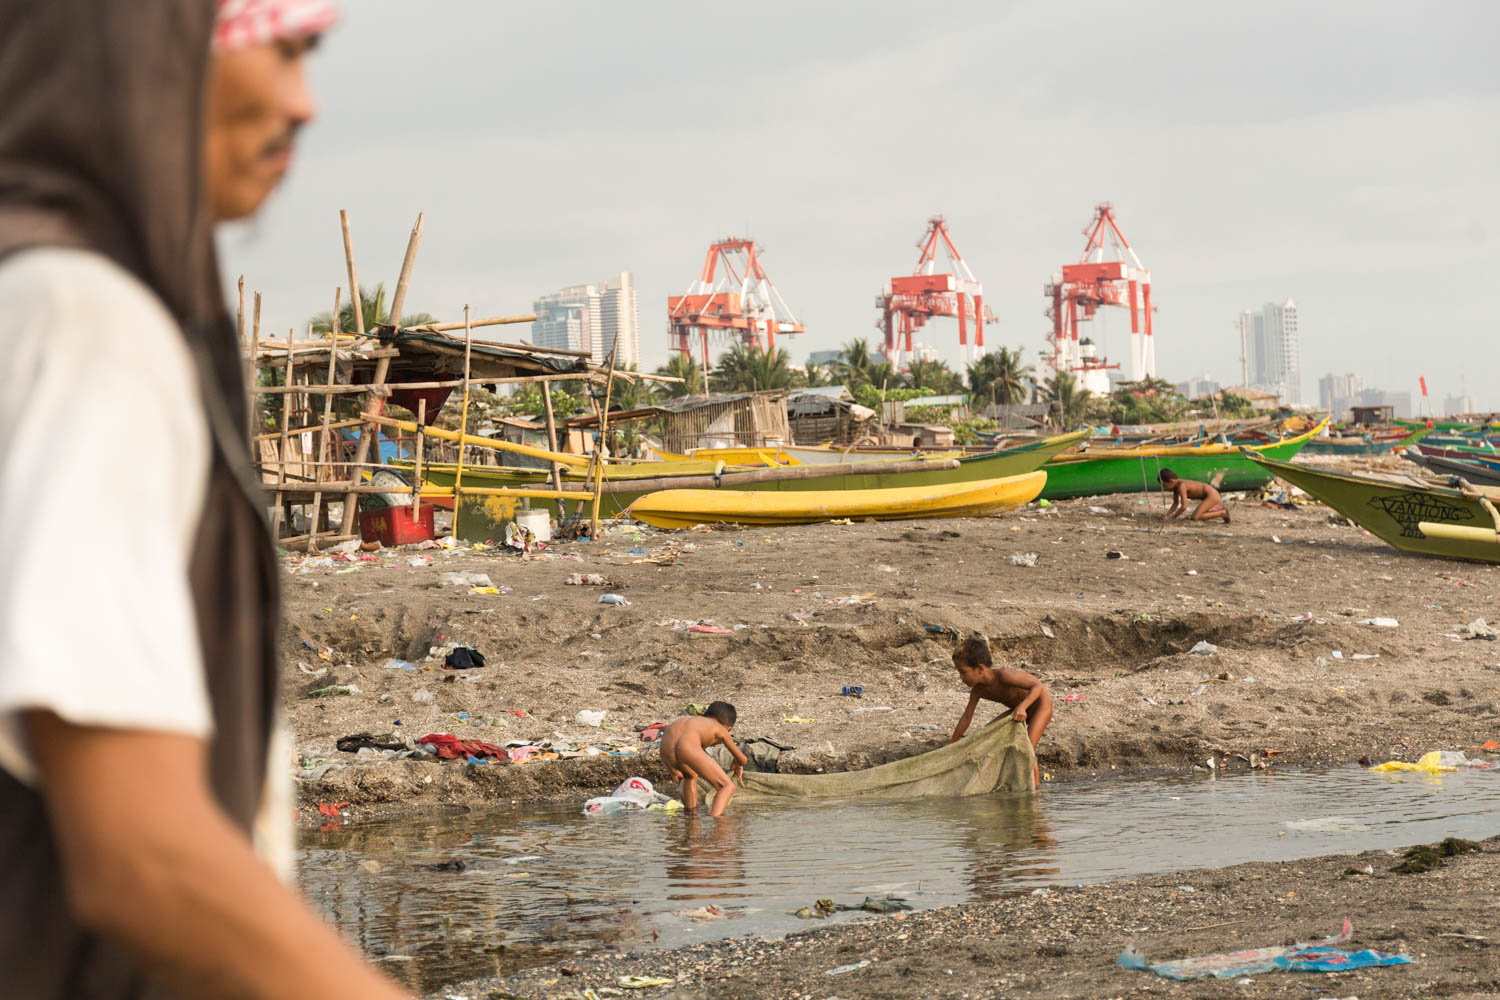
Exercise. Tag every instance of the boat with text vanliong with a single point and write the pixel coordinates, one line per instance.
(1410, 513)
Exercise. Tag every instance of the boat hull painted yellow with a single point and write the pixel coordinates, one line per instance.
(685, 508)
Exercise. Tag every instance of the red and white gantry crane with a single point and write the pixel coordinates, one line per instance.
(925, 293)
(1080, 289)
(732, 296)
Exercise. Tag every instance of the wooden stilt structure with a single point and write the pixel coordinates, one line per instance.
(306, 461)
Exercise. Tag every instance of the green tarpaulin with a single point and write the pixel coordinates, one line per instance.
(997, 757)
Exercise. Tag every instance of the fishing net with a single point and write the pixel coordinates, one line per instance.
(997, 757)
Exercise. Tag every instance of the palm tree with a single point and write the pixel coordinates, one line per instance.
(818, 375)
(856, 363)
(934, 376)
(884, 376)
(684, 367)
(998, 377)
(772, 369)
(1069, 401)
(745, 368)
(372, 306)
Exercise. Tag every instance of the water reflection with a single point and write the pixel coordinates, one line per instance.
(444, 898)
(705, 860)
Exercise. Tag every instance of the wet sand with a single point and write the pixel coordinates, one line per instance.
(1064, 943)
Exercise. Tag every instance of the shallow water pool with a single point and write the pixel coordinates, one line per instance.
(454, 897)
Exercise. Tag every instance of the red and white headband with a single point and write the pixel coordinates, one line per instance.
(243, 23)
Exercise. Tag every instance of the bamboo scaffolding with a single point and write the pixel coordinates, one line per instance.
(327, 471)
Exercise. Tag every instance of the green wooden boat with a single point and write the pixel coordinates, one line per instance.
(1449, 425)
(1134, 470)
(974, 468)
(1396, 509)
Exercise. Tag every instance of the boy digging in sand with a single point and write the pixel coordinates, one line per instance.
(684, 746)
(1183, 490)
(1029, 701)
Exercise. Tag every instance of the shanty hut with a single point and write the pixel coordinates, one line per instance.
(828, 413)
(736, 420)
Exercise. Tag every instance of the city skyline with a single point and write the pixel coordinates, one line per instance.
(1243, 185)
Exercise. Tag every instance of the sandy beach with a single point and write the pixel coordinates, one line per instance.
(1295, 679)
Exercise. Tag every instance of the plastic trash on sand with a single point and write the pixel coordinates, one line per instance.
(590, 717)
(586, 580)
(840, 970)
(466, 580)
(1381, 622)
(1025, 559)
(633, 795)
(1436, 762)
(613, 599)
(644, 982)
(1319, 956)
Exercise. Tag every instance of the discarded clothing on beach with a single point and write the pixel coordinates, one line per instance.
(464, 658)
(358, 741)
(1319, 956)
(450, 747)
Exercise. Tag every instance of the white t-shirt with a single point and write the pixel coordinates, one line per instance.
(104, 457)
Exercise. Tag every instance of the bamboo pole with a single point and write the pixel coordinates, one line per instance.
(335, 426)
(551, 434)
(375, 403)
(354, 297)
(561, 458)
(732, 480)
(253, 415)
(463, 418)
(416, 484)
(495, 321)
(286, 416)
(333, 356)
(430, 492)
(272, 390)
(403, 281)
(603, 437)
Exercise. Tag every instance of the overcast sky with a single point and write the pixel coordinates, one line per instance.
(1340, 154)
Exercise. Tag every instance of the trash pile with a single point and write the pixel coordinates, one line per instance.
(827, 907)
(633, 795)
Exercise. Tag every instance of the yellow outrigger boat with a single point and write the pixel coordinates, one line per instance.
(685, 508)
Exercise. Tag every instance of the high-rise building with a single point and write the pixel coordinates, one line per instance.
(1336, 393)
(620, 321)
(1197, 388)
(592, 318)
(1400, 401)
(1272, 349)
(1455, 405)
